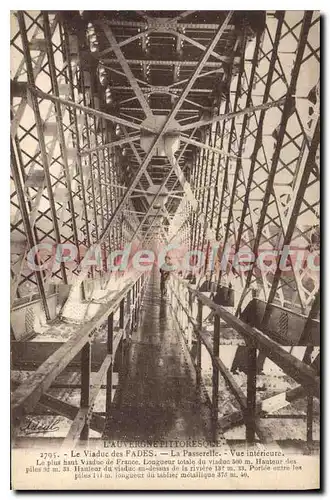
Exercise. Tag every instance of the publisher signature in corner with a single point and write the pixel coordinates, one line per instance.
(33, 427)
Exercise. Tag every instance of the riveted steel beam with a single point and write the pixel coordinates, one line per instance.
(229, 116)
(59, 121)
(158, 62)
(85, 109)
(113, 144)
(287, 109)
(39, 125)
(167, 125)
(127, 70)
(76, 134)
(27, 226)
(295, 206)
(216, 150)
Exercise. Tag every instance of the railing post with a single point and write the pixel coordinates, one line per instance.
(110, 369)
(135, 304)
(190, 299)
(174, 297)
(309, 420)
(128, 311)
(199, 345)
(177, 294)
(132, 306)
(251, 393)
(190, 328)
(179, 316)
(182, 315)
(121, 314)
(309, 407)
(85, 384)
(215, 376)
(138, 301)
(121, 327)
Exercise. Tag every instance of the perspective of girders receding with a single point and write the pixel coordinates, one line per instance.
(231, 99)
(155, 127)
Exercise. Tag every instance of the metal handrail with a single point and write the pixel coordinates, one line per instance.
(27, 395)
(255, 339)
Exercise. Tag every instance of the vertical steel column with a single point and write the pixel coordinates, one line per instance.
(196, 221)
(218, 167)
(287, 110)
(207, 177)
(309, 165)
(215, 376)
(128, 310)
(111, 181)
(121, 327)
(136, 295)
(59, 122)
(27, 225)
(20, 164)
(76, 140)
(118, 193)
(133, 296)
(115, 191)
(41, 138)
(98, 168)
(307, 359)
(201, 194)
(86, 366)
(304, 339)
(258, 139)
(251, 393)
(211, 183)
(96, 162)
(238, 160)
(222, 136)
(193, 216)
(199, 345)
(242, 137)
(138, 286)
(91, 177)
(105, 156)
(309, 399)
(110, 369)
(87, 127)
(309, 420)
(230, 139)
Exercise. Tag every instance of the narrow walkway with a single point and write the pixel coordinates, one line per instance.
(158, 398)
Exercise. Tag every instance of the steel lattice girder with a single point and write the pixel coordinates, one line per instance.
(279, 217)
(75, 131)
(248, 191)
(85, 162)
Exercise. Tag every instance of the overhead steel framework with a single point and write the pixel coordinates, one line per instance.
(196, 128)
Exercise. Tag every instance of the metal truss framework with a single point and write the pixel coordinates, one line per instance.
(149, 130)
(66, 195)
(269, 196)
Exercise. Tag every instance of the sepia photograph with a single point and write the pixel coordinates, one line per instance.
(165, 249)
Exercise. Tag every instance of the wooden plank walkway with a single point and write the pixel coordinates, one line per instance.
(158, 397)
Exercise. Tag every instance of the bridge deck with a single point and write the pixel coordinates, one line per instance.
(158, 398)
